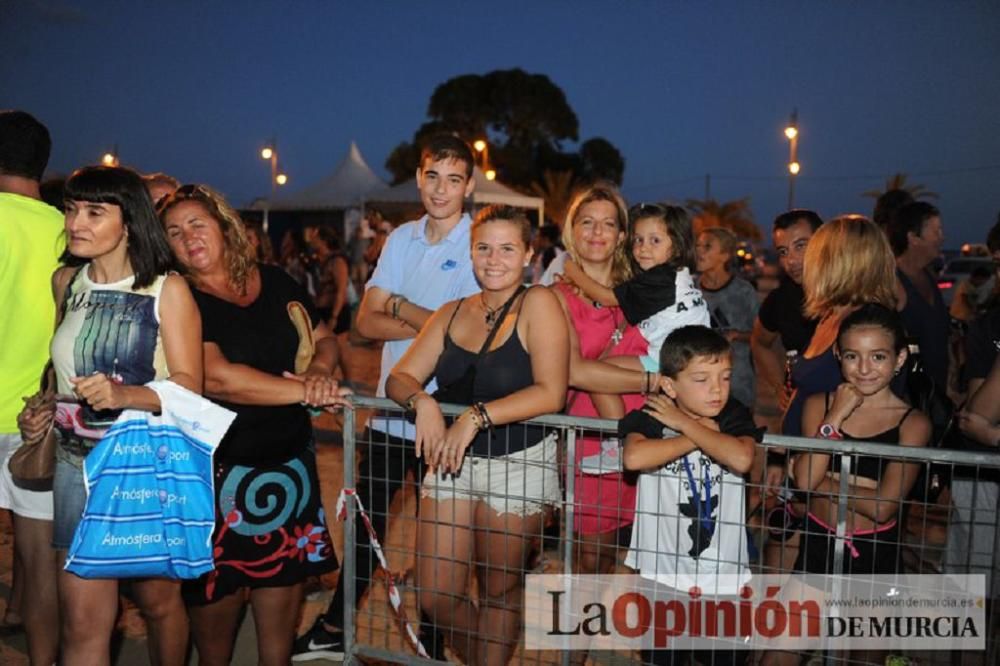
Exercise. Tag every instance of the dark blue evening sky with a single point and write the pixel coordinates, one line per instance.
(682, 88)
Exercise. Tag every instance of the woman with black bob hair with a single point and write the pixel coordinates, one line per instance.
(123, 320)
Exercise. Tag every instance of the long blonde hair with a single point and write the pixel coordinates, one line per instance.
(621, 263)
(848, 262)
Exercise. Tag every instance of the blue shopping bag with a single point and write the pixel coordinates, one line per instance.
(150, 495)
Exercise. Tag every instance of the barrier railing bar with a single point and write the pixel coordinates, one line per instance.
(840, 537)
(347, 571)
(571, 425)
(800, 444)
(838, 551)
(569, 513)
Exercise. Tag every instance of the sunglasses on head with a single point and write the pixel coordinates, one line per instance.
(191, 190)
(184, 192)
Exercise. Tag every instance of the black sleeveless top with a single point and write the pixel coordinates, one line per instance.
(501, 371)
(870, 467)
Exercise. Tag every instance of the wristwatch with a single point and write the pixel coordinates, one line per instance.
(827, 431)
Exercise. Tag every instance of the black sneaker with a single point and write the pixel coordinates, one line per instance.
(318, 643)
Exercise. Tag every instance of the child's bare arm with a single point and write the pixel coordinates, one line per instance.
(641, 452)
(593, 289)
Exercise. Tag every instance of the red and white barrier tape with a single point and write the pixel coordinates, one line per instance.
(395, 599)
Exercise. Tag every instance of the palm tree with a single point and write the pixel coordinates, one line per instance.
(557, 190)
(897, 181)
(733, 215)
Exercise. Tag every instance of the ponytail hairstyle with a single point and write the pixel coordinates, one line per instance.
(875, 315)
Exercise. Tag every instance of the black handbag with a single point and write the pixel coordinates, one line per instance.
(924, 394)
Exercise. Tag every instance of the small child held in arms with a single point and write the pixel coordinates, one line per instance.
(660, 298)
(690, 525)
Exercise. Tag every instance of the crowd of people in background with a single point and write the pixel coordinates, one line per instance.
(111, 280)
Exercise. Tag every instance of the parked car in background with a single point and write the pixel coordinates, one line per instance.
(956, 270)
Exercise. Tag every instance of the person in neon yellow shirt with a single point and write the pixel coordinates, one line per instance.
(31, 242)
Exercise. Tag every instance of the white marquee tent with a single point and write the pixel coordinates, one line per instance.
(347, 186)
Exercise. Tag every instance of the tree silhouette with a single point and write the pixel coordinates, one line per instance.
(599, 160)
(524, 117)
(897, 181)
(733, 215)
(556, 188)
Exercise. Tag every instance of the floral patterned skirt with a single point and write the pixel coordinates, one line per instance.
(270, 529)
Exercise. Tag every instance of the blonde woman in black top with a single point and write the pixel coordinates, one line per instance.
(491, 479)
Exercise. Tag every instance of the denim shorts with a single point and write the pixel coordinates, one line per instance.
(69, 498)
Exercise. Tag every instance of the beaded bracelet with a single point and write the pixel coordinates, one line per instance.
(477, 419)
(484, 415)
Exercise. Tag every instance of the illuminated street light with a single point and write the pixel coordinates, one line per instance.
(792, 133)
(483, 148)
(270, 153)
(111, 158)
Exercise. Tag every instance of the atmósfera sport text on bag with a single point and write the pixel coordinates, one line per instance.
(150, 497)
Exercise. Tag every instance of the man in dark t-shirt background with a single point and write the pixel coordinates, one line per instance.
(780, 324)
(916, 236)
(982, 342)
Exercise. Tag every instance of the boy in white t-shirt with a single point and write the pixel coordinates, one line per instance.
(690, 525)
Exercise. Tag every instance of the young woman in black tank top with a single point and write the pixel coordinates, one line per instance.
(492, 478)
(870, 348)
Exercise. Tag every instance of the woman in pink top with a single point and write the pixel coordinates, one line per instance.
(595, 236)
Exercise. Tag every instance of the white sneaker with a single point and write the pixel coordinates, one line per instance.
(608, 461)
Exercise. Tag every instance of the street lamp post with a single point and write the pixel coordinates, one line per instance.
(111, 159)
(270, 153)
(482, 147)
(792, 132)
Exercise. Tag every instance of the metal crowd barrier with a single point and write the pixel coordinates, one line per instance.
(968, 508)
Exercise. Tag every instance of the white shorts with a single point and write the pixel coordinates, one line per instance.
(521, 483)
(24, 503)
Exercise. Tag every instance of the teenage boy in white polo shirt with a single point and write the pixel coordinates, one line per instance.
(425, 264)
